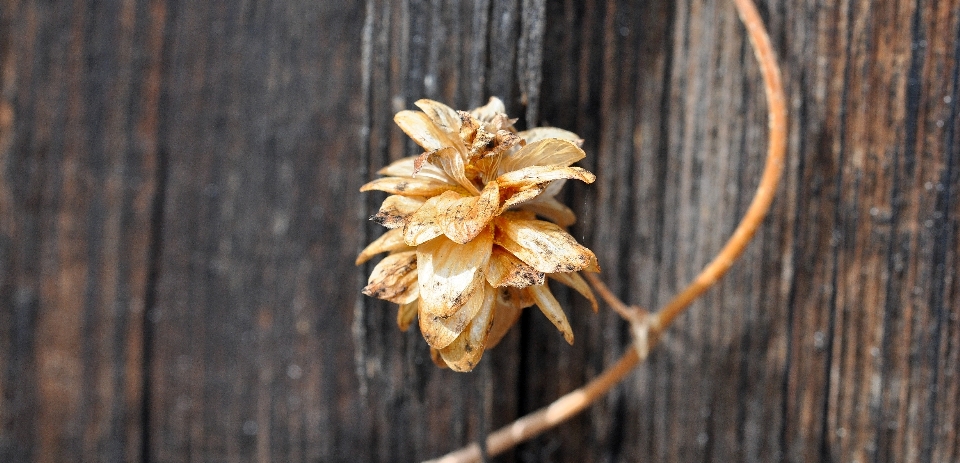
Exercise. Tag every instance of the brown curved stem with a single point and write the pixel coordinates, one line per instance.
(777, 110)
(647, 328)
(539, 421)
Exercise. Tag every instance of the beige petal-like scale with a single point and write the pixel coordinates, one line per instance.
(428, 158)
(551, 308)
(465, 352)
(505, 269)
(451, 161)
(575, 281)
(468, 125)
(506, 140)
(534, 175)
(425, 224)
(481, 144)
(510, 305)
(502, 122)
(409, 186)
(422, 130)
(406, 166)
(405, 315)
(440, 331)
(491, 154)
(551, 209)
(437, 359)
(517, 214)
(542, 133)
(547, 206)
(463, 219)
(549, 152)
(554, 188)
(450, 271)
(521, 196)
(506, 316)
(394, 278)
(392, 240)
(544, 246)
(445, 117)
(489, 111)
(520, 297)
(396, 210)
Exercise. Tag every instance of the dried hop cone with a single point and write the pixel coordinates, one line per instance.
(466, 250)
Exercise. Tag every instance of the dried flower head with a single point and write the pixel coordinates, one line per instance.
(466, 250)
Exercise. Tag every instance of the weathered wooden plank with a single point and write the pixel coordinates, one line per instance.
(763, 369)
(77, 181)
(681, 155)
(251, 349)
(459, 53)
(251, 125)
(863, 113)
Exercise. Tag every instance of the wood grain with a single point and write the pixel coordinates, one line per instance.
(179, 216)
(78, 161)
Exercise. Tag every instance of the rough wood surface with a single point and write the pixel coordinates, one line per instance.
(179, 216)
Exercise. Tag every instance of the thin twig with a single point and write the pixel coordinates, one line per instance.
(646, 329)
(613, 301)
(546, 418)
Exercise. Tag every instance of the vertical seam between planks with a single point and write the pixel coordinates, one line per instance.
(525, 335)
(663, 152)
(837, 214)
(157, 217)
(802, 111)
(742, 167)
(359, 322)
(940, 251)
(792, 291)
(912, 104)
(663, 148)
(530, 56)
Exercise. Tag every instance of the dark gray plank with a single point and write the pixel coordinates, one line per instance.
(251, 347)
(78, 164)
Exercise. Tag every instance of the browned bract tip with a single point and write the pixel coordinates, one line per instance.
(395, 211)
(465, 351)
(390, 241)
(395, 278)
(544, 246)
(406, 314)
(575, 281)
(505, 269)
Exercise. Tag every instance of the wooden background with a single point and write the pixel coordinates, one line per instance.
(179, 217)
